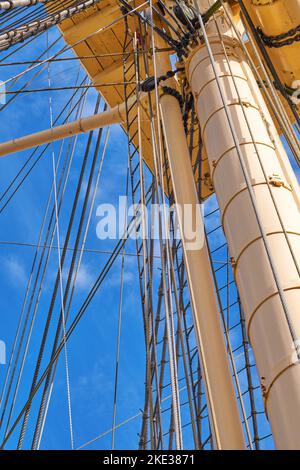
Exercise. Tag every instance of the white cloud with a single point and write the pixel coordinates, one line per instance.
(15, 270)
(85, 278)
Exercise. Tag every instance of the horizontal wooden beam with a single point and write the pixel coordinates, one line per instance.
(91, 24)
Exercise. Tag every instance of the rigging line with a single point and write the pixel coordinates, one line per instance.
(81, 252)
(29, 41)
(33, 318)
(132, 151)
(60, 267)
(69, 279)
(39, 13)
(171, 14)
(7, 5)
(260, 160)
(70, 100)
(172, 42)
(180, 309)
(266, 84)
(191, 26)
(185, 425)
(150, 341)
(181, 379)
(40, 18)
(230, 351)
(118, 342)
(159, 375)
(32, 14)
(268, 61)
(17, 49)
(102, 276)
(63, 70)
(43, 273)
(36, 74)
(38, 158)
(155, 322)
(155, 325)
(146, 291)
(42, 278)
(32, 322)
(70, 47)
(118, 350)
(166, 293)
(86, 250)
(180, 342)
(56, 285)
(12, 37)
(228, 299)
(131, 418)
(154, 372)
(52, 6)
(259, 157)
(6, 17)
(64, 88)
(109, 431)
(18, 19)
(167, 22)
(197, 403)
(85, 57)
(23, 310)
(36, 246)
(168, 331)
(246, 355)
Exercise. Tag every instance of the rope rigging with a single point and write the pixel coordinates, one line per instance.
(171, 356)
(269, 64)
(10, 4)
(17, 35)
(56, 285)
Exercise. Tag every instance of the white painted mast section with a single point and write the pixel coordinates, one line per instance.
(223, 410)
(259, 202)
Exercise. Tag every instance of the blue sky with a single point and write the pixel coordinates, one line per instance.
(91, 350)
